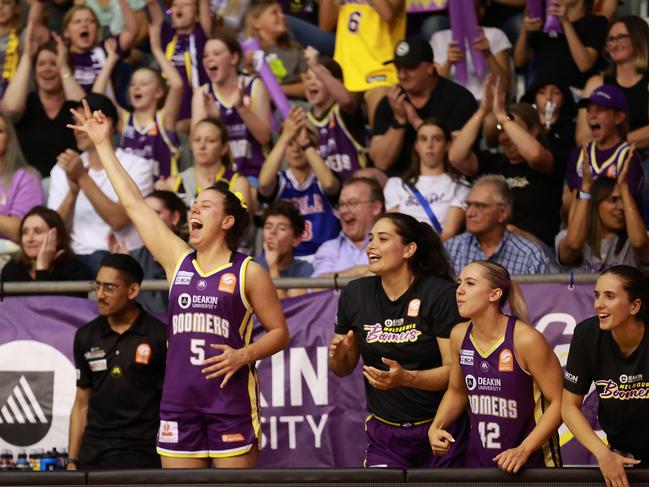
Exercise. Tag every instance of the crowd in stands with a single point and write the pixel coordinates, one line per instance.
(534, 158)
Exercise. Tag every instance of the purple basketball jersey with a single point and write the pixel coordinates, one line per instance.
(504, 402)
(185, 51)
(336, 145)
(152, 141)
(208, 307)
(247, 153)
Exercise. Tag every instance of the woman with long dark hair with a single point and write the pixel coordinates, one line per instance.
(214, 292)
(506, 372)
(612, 350)
(399, 322)
(605, 226)
(45, 253)
(431, 190)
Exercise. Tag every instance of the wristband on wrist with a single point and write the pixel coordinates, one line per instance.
(73, 461)
(396, 125)
(583, 195)
(306, 146)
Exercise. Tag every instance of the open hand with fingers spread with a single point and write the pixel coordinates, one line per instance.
(224, 364)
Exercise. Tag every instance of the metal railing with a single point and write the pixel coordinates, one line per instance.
(60, 287)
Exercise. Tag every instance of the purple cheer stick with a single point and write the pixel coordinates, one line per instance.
(552, 25)
(457, 29)
(471, 31)
(535, 9)
(261, 66)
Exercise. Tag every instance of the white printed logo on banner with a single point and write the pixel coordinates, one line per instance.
(37, 389)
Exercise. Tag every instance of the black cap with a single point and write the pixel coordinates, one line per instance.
(412, 51)
(97, 101)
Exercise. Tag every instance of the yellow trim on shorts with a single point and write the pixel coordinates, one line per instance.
(243, 451)
(181, 455)
(400, 425)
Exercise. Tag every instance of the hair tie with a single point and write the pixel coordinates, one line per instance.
(241, 199)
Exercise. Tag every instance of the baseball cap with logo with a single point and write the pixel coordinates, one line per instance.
(607, 96)
(412, 51)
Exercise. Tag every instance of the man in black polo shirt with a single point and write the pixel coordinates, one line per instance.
(120, 360)
(420, 94)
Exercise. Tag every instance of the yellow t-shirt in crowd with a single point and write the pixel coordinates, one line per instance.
(364, 42)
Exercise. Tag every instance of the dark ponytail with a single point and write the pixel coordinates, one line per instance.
(235, 206)
(430, 257)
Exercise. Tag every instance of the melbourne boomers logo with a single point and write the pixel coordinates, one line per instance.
(25, 406)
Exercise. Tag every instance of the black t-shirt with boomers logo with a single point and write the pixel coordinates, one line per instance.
(404, 330)
(622, 385)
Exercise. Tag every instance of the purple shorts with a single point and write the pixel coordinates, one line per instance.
(406, 446)
(198, 435)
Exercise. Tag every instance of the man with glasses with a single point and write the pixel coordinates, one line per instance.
(488, 209)
(361, 201)
(120, 361)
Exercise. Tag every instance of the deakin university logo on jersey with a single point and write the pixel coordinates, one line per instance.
(25, 406)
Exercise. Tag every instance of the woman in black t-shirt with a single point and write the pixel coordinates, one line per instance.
(627, 50)
(399, 322)
(612, 350)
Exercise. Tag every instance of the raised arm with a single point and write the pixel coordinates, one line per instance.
(15, 96)
(635, 227)
(330, 183)
(538, 157)
(256, 114)
(268, 174)
(155, 11)
(584, 57)
(71, 88)
(129, 34)
(205, 17)
(539, 360)
(104, 77)
(174, 98)
(522, 52)
(328, 14)
(334, 86)
(165, 246)
(386, 146)
(497, 63)
(571, 246)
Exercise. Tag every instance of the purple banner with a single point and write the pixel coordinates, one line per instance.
(310, 417)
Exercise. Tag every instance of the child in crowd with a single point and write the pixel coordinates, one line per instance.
(266, 21)
(183, 43)
(307, 181)
(150, 129)
(431, 190)
(212, 164)
(607, 118)
(81, 33)
(241, 102)
(336, 115)
(283, 226)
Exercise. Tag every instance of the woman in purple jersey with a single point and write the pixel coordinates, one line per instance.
(512, 435)
(217, 220)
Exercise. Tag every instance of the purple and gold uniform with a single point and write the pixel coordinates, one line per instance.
(504, 402)
(185, 51)
(198, 418)
(87, 65)
(340, 140)
(152, 141)
(248, 154)
(320, 221)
